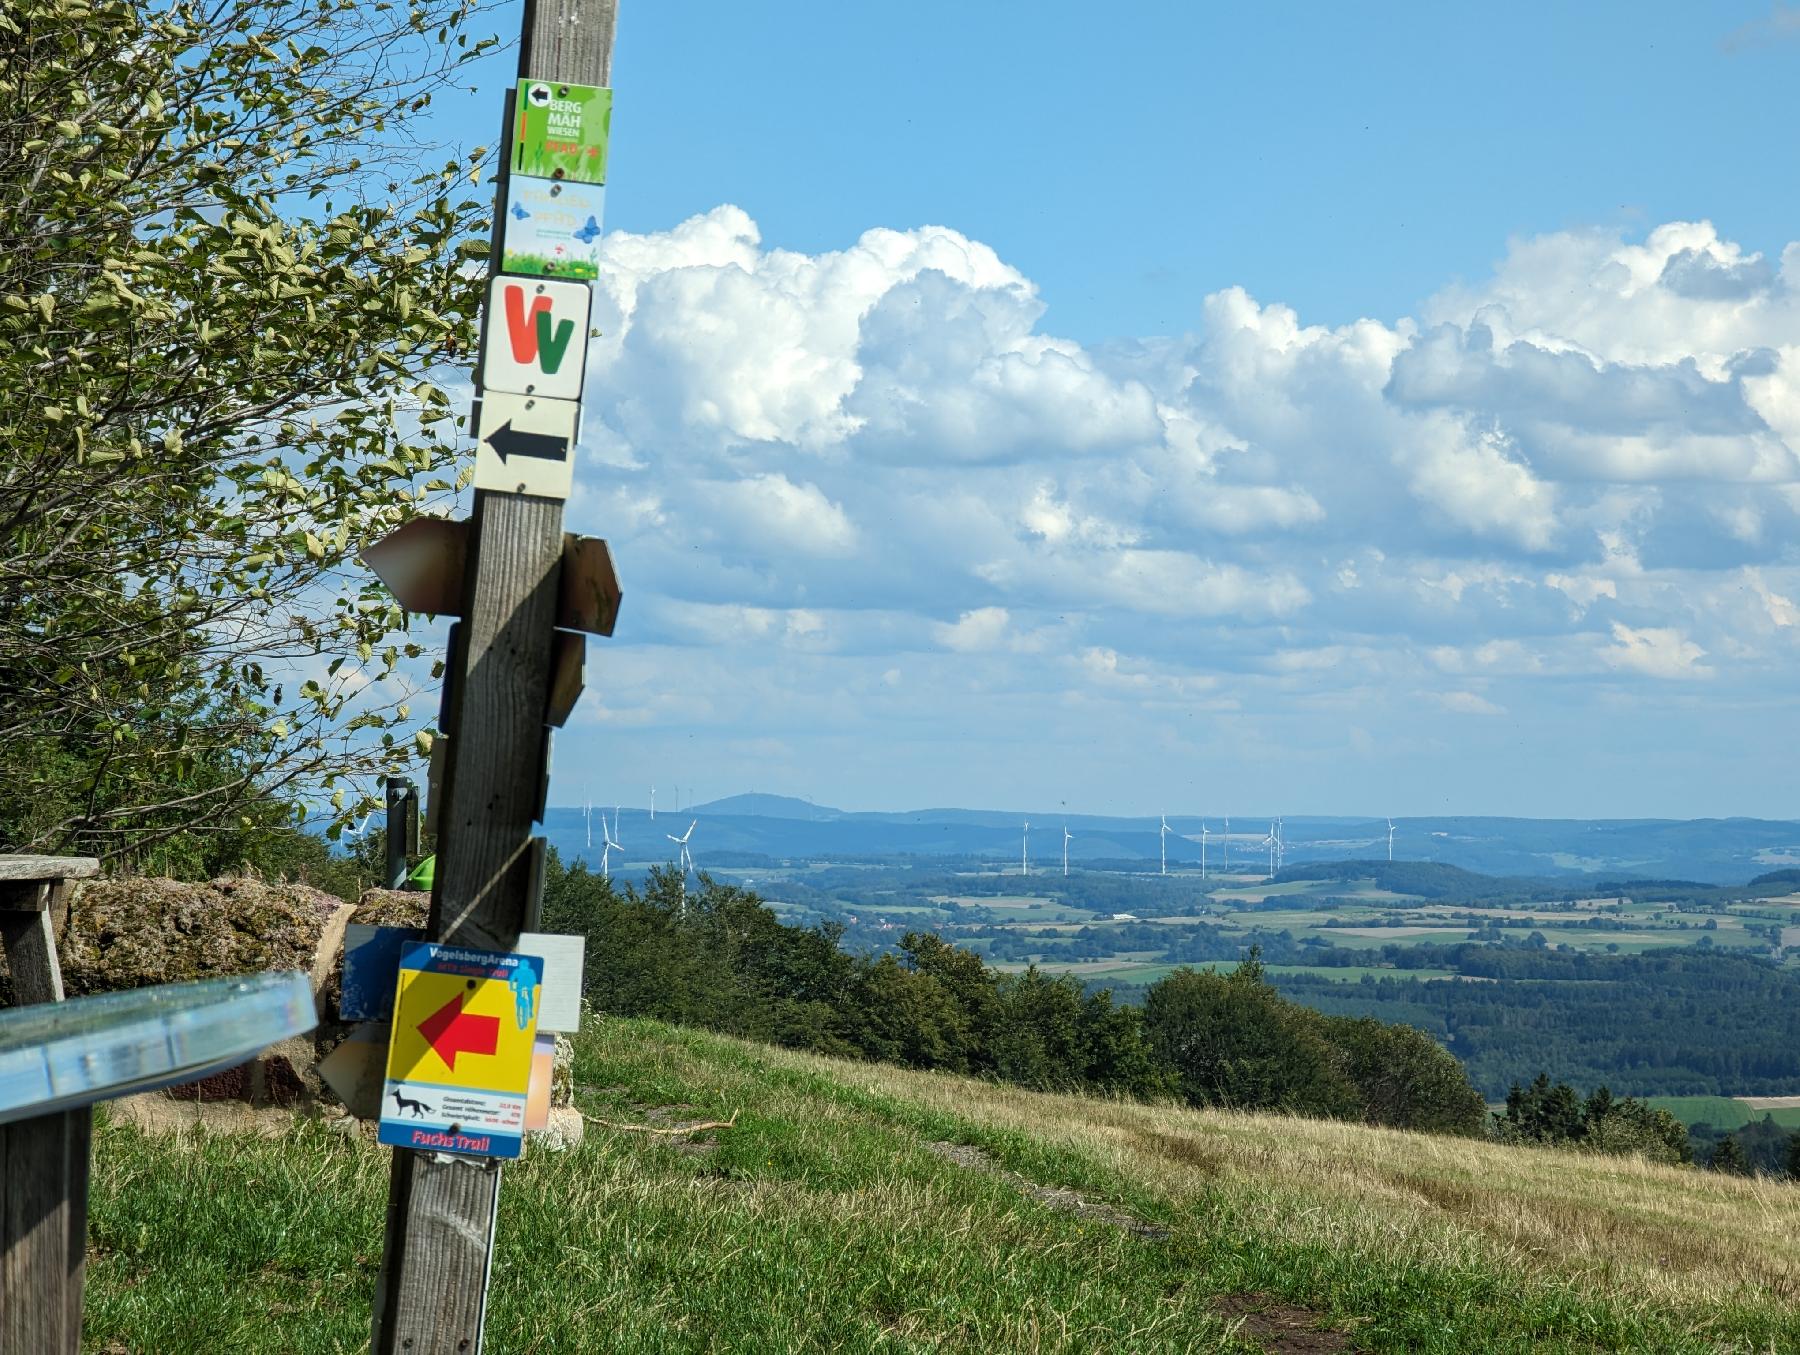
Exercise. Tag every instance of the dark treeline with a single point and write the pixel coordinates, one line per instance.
(1762, 1147)
(1193, 943)
(1429, 880)
(1671, 1022)
(713, 955)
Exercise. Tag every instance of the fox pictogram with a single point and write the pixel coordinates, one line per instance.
(403, 1104)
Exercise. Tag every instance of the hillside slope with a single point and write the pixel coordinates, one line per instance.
(862, 1207)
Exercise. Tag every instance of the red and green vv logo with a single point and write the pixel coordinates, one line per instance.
(536, 336)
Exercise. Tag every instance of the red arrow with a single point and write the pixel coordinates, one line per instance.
(451, 1033)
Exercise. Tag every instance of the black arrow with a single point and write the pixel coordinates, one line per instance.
(509, 441)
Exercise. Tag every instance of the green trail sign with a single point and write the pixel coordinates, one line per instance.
(560, 131)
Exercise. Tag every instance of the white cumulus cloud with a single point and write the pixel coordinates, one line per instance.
(1585, 463)
(1660, 651)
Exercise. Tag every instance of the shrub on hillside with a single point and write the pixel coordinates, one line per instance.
(1729, 1158)
(1636, 1130)
(1405, 1079)
(1231, 1040)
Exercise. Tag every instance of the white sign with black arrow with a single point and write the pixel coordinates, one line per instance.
(526, 444)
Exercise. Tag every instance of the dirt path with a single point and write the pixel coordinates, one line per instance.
(1280, 1328)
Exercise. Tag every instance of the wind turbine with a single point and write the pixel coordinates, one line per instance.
(1162, 842)
(1066, 836)
(1280, 843)
(587, 814)
(1269, 842)
(609, 846)
(1203, 836)
(684, 858)
(653, 804)
(1025, 849)
(1227, 869)
(1390, 839)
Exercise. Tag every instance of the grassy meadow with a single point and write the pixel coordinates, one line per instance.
(861, 1207)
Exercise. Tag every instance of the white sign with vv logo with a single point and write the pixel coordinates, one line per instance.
(537, 337)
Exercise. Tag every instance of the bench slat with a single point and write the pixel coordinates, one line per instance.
(40, 868)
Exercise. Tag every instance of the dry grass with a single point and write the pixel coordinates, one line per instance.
(1674, 1237)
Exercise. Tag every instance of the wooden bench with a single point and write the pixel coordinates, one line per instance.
(44, 1160)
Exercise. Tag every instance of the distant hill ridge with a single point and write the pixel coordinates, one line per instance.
(1595, 851)
(755, 804)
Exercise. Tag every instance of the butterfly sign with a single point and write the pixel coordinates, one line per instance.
(552, 228)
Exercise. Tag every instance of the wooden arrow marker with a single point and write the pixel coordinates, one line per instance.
(422, 563)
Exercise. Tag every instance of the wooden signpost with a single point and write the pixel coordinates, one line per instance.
(431, 1294)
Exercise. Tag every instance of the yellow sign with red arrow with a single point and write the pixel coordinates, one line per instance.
(459, 1059)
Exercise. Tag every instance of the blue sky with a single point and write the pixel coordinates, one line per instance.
(1241, 409)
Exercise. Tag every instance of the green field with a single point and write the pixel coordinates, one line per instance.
(1024, 909)
(861, 1207)
(1721, 1112)
(1357, 973)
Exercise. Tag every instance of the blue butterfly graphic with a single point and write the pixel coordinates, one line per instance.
(519, 211)
(587, 233)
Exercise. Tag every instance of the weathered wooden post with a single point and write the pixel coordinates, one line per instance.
(508, 676)
(43, 1160)
(402, 839)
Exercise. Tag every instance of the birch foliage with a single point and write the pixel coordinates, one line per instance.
(233, 276)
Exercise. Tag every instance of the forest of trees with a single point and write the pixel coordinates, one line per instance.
(1672, 1022)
